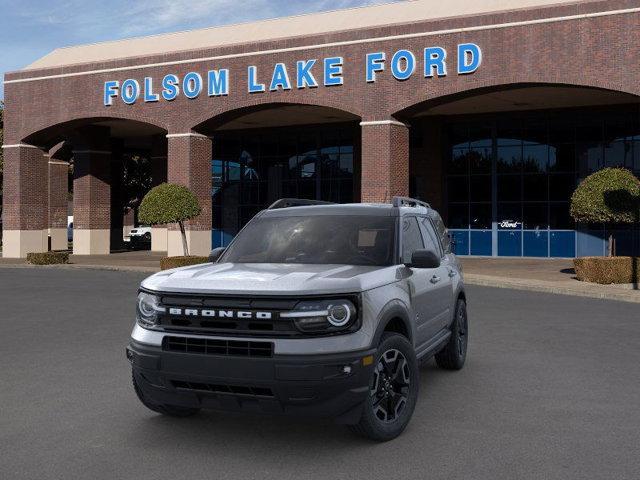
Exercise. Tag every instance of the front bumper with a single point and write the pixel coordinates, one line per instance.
(332, 386)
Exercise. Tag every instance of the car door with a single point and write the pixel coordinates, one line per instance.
(422, 286)
(442, 277)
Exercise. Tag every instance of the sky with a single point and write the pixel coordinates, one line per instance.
(29, 29)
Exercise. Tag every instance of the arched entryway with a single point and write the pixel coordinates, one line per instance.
(267, 152)
(110, 162)
(501, 164)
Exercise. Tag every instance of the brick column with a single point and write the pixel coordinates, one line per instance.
(92, 192)
(58, 191)
(385, 160)
(189, 164)
(25, 212)
(158, 159)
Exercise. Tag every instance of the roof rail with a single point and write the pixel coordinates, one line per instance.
(296, 202)
(408, 202)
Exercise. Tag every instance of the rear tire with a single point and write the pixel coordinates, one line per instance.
(169, 410)
(393, 390)
(454, 354)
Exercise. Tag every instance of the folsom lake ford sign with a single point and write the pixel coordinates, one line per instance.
(309, 73)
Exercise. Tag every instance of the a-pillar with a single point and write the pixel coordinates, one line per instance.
(58, 192)
(25, 212)
(189, 164)
(159, 175)
(385, 160)
(92, 192)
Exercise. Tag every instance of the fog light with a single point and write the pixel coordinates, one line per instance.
(368, 360)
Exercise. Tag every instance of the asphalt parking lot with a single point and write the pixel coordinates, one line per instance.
(551, 390)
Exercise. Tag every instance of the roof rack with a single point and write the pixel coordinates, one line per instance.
(408, 202)
(296, 202)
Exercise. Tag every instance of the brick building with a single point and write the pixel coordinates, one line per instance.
(491, 110)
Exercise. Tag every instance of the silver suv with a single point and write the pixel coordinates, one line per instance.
(314, 309)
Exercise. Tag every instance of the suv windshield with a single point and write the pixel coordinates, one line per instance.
(321, 239)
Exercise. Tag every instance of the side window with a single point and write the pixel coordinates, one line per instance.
(442, 232)
(411, 238)
(430, 237)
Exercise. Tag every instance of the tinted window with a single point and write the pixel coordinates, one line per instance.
(320, 239)
(431, 241)
(442, 232)
(411, 238)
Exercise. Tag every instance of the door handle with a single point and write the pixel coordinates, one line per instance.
(435, 279)
(452, 273)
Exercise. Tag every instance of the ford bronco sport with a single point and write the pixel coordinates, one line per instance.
(313, 309)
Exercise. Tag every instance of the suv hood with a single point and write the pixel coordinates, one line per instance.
(271, 279)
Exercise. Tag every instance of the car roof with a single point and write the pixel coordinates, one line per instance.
(363, 209)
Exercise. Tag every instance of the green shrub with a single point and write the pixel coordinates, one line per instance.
(170, 203)
(607, 270)
(611, 195)
(48, 258)
(168, 263)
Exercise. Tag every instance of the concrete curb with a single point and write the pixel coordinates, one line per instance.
(73, 266)
(603, 292)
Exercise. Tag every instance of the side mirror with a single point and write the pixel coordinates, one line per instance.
(215, 254)
(424, 259)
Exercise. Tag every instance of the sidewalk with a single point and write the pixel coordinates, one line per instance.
(538, 275)
(137, 261)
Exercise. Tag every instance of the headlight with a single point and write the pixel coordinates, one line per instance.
(147, 309)
(323, 316)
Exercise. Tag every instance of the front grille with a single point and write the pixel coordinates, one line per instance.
(188, 322)
(207, 346)
(225, 389)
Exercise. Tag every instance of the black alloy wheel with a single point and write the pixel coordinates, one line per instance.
(454, 354)
(393, 390)
(391, 384)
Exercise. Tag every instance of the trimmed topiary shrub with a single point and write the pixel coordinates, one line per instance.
(611, 195)
(48, 258)
(170, 203)
(168, 263)
(607, 270)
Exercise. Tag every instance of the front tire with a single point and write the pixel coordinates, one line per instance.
(454, 354)
(169, 410)
(393, 390)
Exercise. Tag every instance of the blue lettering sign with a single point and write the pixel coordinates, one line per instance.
(192, 85)
(375, 63)
(280, 78)
(304, 76)
(434, 59)
(333, 71)
(170, 87)
(218, 82)
(469, 58)
(110, 92)
(130, 91)
(149, 96)
(403, 64)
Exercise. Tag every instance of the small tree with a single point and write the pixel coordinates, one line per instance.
(611, 195)
(169, 203)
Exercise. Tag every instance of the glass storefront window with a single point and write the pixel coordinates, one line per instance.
(538, 159)
(480, 216)
(510, 159)
(253, 168)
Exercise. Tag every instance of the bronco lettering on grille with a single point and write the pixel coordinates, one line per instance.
(192, 312)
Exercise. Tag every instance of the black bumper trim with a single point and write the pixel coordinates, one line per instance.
(333, 386)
